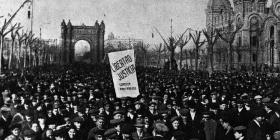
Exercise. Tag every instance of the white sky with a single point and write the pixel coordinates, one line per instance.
(125, 18)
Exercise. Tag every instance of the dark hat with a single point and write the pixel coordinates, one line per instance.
(15, 125)
(175, 118)
(93, 112)
(239, 128)
(78, 119)
(165, 111)
(118, 112)
(184, 112)
(239, 102)
(108, 133)
(191, 104)
(116, 121)
(137, 102)
(214, 106)
(28, 133)
(266, 100)
(139, 123)
(102, 117)
(152, 103)
(259, 113)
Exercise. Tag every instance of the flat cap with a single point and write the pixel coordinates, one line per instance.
(29, 133)
(78, 119)
(116, 121)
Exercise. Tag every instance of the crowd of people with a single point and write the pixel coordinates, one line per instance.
(78, 103)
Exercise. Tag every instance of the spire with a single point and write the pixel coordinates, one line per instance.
(69, 24)
(63, 23)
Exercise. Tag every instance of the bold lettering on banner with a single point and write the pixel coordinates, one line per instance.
(121, 63)
(126, 72)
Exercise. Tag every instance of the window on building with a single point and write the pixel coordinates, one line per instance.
(254, 41)
(272, 32)
(254, 57)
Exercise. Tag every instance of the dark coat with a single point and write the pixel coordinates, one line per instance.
(195, 125)
(254, 132)
(4, 125)
(241, 118)
(92, 133)
(135, 136)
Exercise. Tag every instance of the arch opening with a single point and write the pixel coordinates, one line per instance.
(82, 51)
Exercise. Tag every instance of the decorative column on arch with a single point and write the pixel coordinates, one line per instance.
(69, 43)
(95, 49)
(277, 44)
(101, 41)
(63, 54)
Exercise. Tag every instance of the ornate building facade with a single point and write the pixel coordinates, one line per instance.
(256, 44)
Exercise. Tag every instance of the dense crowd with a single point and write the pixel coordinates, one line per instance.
(79, 103)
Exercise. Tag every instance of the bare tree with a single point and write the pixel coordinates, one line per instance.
(159, 49)
(13, 37)
(182, 44)
(171, 46)
(144, 48)
(21, 37)
(228, 35)
(211, 38)
(28, 41)
(196, 38)
(4, 31)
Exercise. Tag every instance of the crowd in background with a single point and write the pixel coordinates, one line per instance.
(78, 102)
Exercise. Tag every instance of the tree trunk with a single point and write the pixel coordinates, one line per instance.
(1, 53)
(196, 58)
(181, 57)
(30, 56)
(172, 55)
(230, 57)
(191, 60)
(25, 56)
(211, 57)
(19, 55)
(11, 54)
(158, 63)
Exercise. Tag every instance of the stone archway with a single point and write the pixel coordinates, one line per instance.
(94, 35)
(82, 51)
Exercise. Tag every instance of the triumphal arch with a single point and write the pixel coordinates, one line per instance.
(71, 34)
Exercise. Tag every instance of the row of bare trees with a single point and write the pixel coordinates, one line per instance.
(24, 49)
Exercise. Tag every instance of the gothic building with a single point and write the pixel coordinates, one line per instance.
(256, 43)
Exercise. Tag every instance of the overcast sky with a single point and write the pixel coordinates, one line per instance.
(125, 18)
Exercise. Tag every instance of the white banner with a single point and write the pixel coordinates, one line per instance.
(123, 70)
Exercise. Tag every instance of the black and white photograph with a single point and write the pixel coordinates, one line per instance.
(139, 69)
